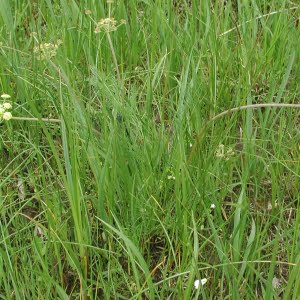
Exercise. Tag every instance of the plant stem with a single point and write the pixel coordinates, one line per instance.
(114, 56)
(235, 109)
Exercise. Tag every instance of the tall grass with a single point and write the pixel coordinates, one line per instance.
(129, 194)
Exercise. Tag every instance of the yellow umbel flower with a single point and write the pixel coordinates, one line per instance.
(7, 116)
(5, 96)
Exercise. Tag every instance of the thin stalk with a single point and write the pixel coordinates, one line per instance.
(257, 18)
(113, 53)
(112, 49)
(46, 120)
(235, 109)
(36, 119)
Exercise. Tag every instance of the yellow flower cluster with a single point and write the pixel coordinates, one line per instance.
(5, 114)
(46, 50)
(108, 25)
(224, 152)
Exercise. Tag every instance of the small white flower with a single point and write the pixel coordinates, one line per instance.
(7, 105)
(213, 206)
(191, 145)
(2, 109)
(198, 283)
(5, 96)
(171, 177)
(7, 116)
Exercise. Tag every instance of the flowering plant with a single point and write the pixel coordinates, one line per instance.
(5, 114)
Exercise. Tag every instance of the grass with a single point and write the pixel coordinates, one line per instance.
(117, 150)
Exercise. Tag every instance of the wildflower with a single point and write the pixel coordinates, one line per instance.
(213, 206)
(5, 96)
(46, 50)
(220, 151)
(7, 116)
(224, 152)
(106, 25)
(123, 21)
(4, 114)
(229, 152)
(198, 283)
(7, 105)
(171, 177)
(87, 12)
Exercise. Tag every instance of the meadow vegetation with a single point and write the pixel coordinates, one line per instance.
(118, 181)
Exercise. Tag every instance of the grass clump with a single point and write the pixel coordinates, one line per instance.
(151, 151)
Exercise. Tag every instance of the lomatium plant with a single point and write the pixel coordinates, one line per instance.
(108, 25)
(224, 152)
(46, 50)
(5, 114)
